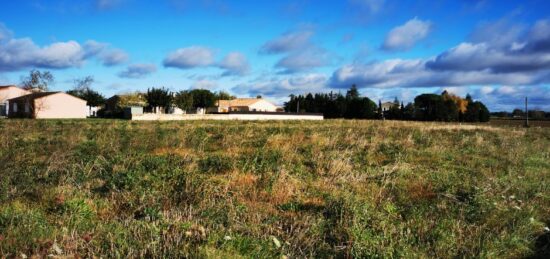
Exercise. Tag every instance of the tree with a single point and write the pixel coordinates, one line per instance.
(83, 89)
(223, 95)
(184, 100)
(158, 97)
(477, 112)
(427, 107)
(37, 80)
(203, 98)
(352, 93)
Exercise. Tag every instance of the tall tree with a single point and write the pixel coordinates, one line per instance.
(158, 97)
(184, 100)
(37, 80)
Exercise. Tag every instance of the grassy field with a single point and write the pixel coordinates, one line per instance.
(273, 189)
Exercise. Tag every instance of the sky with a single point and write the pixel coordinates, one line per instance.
(497, 51)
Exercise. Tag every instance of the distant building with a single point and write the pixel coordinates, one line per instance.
(121, 101)
(8, 92)
(48, 105)
(388, 105)
(245, 104)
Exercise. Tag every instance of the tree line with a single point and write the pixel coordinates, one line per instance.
(426, 107)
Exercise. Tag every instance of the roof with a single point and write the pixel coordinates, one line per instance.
(7, 86)
(33, 96)
(238, 102)
(40, 95)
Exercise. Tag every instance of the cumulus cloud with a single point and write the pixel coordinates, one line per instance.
(113, 57)
(282, 87)
(190, 57)
(287, 42)
(138, 71)
(524, 52)
(105, 53)
(235, 63)
(404, 37)
(524, 61)
(22, 53)
(17, 54)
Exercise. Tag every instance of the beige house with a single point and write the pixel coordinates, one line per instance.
(8, 92)
(48, 105)
(245, 104)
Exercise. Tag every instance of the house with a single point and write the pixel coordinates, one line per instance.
(244, 104)
(8, 92)
(388, 105)
(124, 105)
(48, 105)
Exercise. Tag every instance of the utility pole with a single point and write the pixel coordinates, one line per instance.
(526, 115)
(298, 107)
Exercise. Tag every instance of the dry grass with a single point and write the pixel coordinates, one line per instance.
(270, 189)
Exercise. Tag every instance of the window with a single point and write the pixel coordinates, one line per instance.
(15, 107)
(27, 108)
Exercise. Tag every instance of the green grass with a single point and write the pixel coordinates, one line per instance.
(235, 189)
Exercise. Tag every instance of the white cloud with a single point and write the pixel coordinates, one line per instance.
(105, 53)
(113, 57)
(235, 63)
(482, 63)
(287, 42)
(190, 57)
(138, 70)
(17, 54)
(404, 37)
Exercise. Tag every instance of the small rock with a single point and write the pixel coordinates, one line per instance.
(227, 238)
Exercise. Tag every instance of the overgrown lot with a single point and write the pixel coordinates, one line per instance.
(271, 189)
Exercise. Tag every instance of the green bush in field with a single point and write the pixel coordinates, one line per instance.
(234, 189)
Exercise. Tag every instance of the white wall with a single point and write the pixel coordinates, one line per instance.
(60, 106)
(162, 117)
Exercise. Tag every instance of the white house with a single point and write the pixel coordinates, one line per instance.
(245, 104)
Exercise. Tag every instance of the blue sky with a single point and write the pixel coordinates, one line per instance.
(498, 51)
